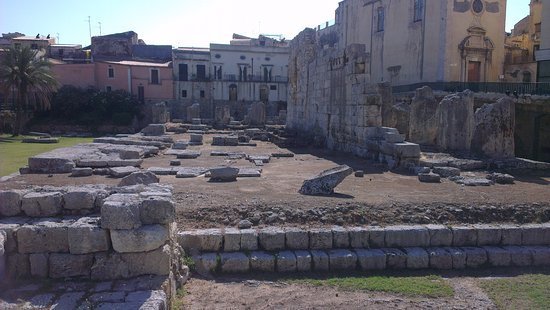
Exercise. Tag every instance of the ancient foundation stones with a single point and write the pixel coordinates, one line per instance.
(10, 202)
(121, 211)
(262, 261)
(423, 117)
(154, 130)
(42, 204)
(325, 182)
(493, 134)
(145, 178)
(43, 236)
(86, 236)
(455, 120)
(224, 174)
(143, 239)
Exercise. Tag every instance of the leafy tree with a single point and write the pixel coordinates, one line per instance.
(30, 76)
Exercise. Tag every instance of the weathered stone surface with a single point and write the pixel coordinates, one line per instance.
(121, 211)
(196, 138)
(342, 260)
(296, 239)
(249, 240)
(42, 204)
(320, 260)
(395, 258)
(257, 114)
(429, 178)
(497, 256)
(109, 266)
(68, 301)
(359, 237)
(234, 263)
(464, 236)
(17, 265)
(175, 163)
(43, 237)
(303, 261)
(488, 234)
(417, 258)
(121, 172)
(188, 155)
(180, 145)
(9, 226)
(423, 125)
(231, 240)
(286, 261)
(206, 263)
(439, 258)
(458, 256)
(536, 234)
(320, 239)
(157, 210)
(39, 265)
(249, 173)
(377, 236)
(407, 236)
(85, 236)
(10, 202)
(79, 198)
(440, 235)
(472, 181)
(69, 265)
(446, 172)
(190, 172)
(271, 239)
(501, 178)
(325, 182)
(156, 299)
(154, 130)
(475, 257)
(373, 259)
(406, 150)
(224, 174)
(340, 237)
(59, 161)
(155, 262)
(455, 121)
(541, 255)
(82, 172)
(511, 234)
(143, 239)
(107, 297)
(201, 240)
(262, 261)
(139, 178)
(493, 134)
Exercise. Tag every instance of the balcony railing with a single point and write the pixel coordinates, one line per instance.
(255, 78)
(485, 87)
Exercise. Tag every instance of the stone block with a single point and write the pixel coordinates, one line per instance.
(340, 237)
(135, 178)
(10, 226)
(373, 259)
(377, 236)
(320, 260)
(10, 202)
(109, 266)
(68, 265)
(325, 182)
(520, 256)
(262, 261)
(541, 255)
(82, 172)
(440, 235)
(121, 211)
(447, 172)
(43, 237)
(497, 256)
(18, 266)
(359, 237)
(440, 259)
(143, 239)
(42, 204)
(458, 256)
(85, 236)
(210, 240)
(121, 172)
(511, 235)
(39, 265)
(68, 301)
(231, 240)
(342, 260)
(155, 298)
(429, 177)
(464, 236)
(417, 258)
(320, 239)
(107, 297)
(406, 150)
(155, 262)
(234, 263)
(475, 257)
(271, 239)
(154, 130)
(488, 234)
(249, 240)
(286, 261)
(296, 239)
(206, 263)
(395, 258)
(79, 198)
(157, 210)
(407, 236)
(196, 138)
(303, 261)
(536, 234)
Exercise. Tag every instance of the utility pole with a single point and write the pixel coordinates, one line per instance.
(99, 27)
(58, 41)
(90, 27)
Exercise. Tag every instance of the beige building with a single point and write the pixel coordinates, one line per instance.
(543, 55)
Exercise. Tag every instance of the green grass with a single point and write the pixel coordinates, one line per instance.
(427, 286)
(521, 292)
(14, 153)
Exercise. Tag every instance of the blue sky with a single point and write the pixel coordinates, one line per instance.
(177, 22)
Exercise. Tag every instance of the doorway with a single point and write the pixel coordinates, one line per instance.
(474, 71)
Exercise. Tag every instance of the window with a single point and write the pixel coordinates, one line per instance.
(184, 93)
(219, 73)
(202, 94)
(232, 92)
(380, 19)
(182, 72)
(141, 94)
(108, 89)
(111, 73)
(526, 77)
(273, 87)
(201, 72)
(243, 73)
(418, 10)
(155, 76)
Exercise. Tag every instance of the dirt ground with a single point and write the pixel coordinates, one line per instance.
(381, 197)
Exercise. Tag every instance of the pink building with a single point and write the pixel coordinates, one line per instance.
(79, 75)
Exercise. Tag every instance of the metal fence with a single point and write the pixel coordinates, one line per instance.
(489, 87)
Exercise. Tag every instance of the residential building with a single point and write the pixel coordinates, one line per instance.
(543, 55)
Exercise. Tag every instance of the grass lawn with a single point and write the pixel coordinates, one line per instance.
(521, 292)
(426, 286)
(14, 153)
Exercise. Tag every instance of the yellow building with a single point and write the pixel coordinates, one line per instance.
(543, 55)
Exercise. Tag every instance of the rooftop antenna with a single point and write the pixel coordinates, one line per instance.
(99, 27)
(58, 41)
(90, 27)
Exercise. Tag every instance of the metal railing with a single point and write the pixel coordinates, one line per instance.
(485, 87)
(255, 78)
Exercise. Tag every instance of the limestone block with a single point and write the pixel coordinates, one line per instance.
(262, 261)
(85, 236)
(249, 240)
(180, 145)
(139, 178)
(493, 132)
(231, 240)
(224, 174)
(423, 117)
(440, 259)
(206, 263)
(340, 237)
(121, 172)
(391, 137)
(464, 236)
(406, 150)
(157, 210)
(455, 121)
(417, 258)
(296, 239)
(446, 172)
(541, 255)
(42, 204)
(359, 237)
(286, 261)
(68, 265)
(43, 237)
(511, 235)
(155, 262)
(10, 202)
(109, 266)
(79, 198)
(121, 211)
(407, 236)
(373, 259)
(377, 236)
(153, 297)
(10, 226)
(320, 260)
(429, 177)
(488, 234)
(82, 172)
(272, 239)
(234, 263)
(143, 239)
(475, 257)
(325, 182)
(519, 256)
(536, 234)
(320, 239)
(395, 258)
(342, 260)
(154, 130)
(190, 172)
(458, 256)
(196, 138)
(39, 265)
(440, 235)
(18, 266)
(303, 261)
(68, 301)
(497, 256)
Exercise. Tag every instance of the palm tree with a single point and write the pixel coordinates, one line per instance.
(28, 75)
